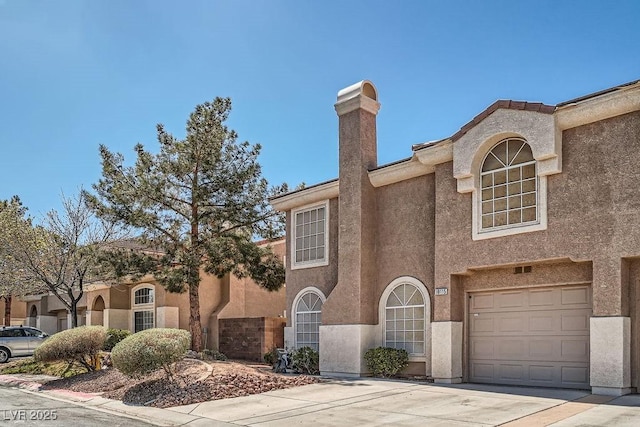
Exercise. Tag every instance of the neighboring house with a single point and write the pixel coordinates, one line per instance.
(508, 253)
(146, 304)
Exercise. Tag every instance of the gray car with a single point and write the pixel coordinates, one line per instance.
(19, 341)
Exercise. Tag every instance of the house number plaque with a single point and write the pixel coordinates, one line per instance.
(442, 291)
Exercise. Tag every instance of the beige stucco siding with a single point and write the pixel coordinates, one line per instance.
(593, 215)
(324, 277)
(405, 233)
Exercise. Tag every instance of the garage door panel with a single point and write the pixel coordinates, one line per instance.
(511, 323)
(544, 343)
(484, 324)
(575, 296)
(578, 375)
(531, 373)
(513, 348)
(544, 322)
(542, 349)
(511, 372)
(483, 371)
(575, 349)
(571, 297)
(542, 373)
(511, 300)
(482, 302)
(541, 322)
(541, 298)
(482, 349)
(575, 321)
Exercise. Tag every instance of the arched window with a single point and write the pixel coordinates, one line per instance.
(308, 317)
(405, 319)
(143, 308)
(509, 185)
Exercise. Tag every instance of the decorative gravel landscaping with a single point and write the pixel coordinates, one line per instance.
(196, 381)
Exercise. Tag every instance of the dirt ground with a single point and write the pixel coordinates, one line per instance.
(196, 381)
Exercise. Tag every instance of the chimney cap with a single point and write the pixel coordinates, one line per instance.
(364, 87)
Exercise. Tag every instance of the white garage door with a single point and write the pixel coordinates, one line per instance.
(537, 337)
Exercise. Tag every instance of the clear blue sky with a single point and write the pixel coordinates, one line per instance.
(74, 74)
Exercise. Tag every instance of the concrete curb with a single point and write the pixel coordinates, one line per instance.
(155, 416)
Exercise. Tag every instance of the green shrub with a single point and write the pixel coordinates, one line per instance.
(147, 351)
(80, 345)
(271, 358)
(306, 361)
(213, 354)
(114, 336)
(60, 368)
(386, 361)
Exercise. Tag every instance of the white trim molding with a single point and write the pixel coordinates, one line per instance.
(328, 190)
(538, 129)
(623, 100)
(400, 171)
(362, 95)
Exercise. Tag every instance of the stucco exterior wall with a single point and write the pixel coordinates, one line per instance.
(54, 304)
(18, 308)
(119, 297)
(92, 299)
(593, 216)
(634, 309)
(405, 233)
(324, 277)
(18, 311)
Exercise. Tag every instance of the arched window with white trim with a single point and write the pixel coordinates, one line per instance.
(143, 307)
(509, 186)
(405, 309)
(308, 318)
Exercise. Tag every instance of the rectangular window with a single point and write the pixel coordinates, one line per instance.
(310, 236)
(142, 320)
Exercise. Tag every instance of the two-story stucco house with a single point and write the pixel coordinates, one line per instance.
(508, 253)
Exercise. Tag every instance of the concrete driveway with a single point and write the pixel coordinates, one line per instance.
(367, 402)
(372, 402)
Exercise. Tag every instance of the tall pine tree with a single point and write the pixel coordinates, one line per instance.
(201, 200)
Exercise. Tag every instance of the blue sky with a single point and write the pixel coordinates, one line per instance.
(74, 74)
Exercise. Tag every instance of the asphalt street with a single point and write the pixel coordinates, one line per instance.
(21, 408)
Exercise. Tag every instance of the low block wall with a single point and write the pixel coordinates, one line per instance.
(250, 338)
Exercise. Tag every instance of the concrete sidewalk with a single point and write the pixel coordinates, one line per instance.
(372, 402)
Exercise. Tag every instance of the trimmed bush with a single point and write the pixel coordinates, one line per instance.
(306, 361)
(386, 361)
(114, 336)
(80, 345)
(147, 351)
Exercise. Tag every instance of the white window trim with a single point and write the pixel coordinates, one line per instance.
(315, 263)
(294, 309)
(477, 233)
(142, 307)
(382, 313)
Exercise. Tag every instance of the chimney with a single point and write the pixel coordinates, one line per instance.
(351, 301)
